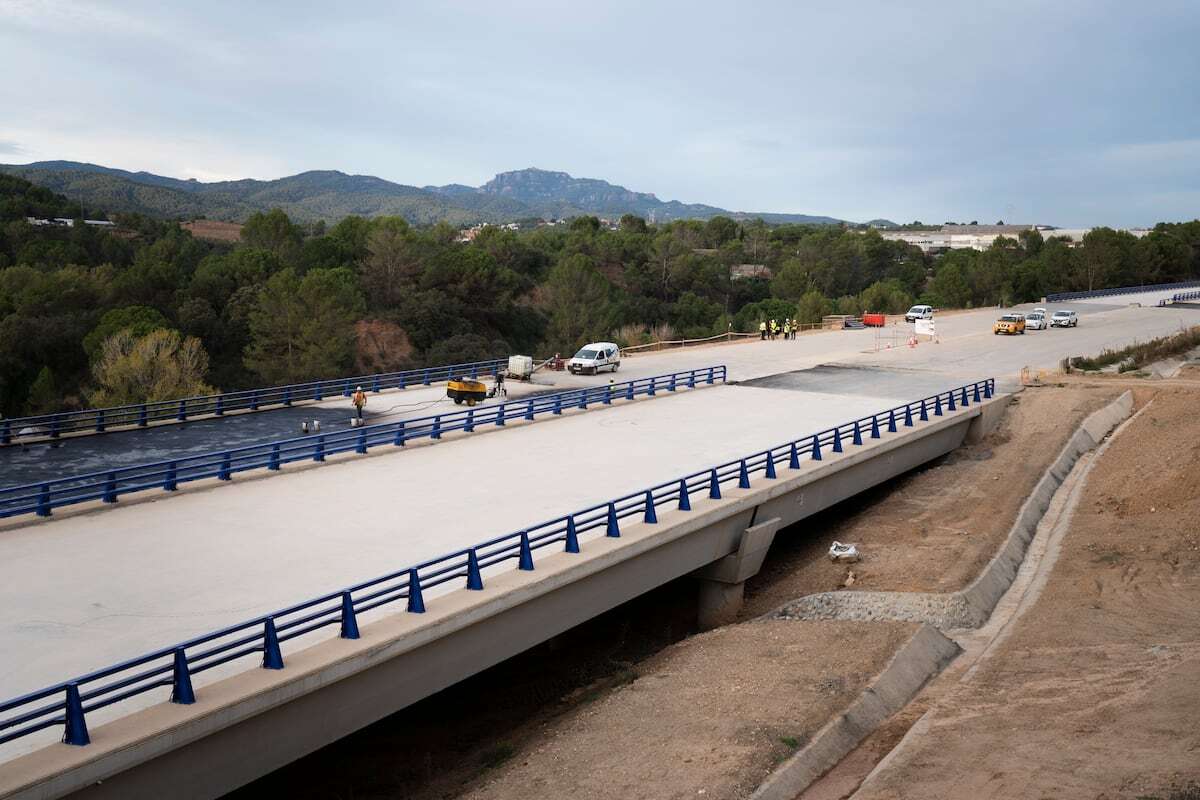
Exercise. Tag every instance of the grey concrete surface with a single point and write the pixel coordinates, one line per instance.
(336, 686)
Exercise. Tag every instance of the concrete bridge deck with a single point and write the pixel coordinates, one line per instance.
(82, 591)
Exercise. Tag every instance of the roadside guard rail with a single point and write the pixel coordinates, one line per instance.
(66, 704)
(100, 420)
(1183, 297)
(42, 497)
(1153, 287)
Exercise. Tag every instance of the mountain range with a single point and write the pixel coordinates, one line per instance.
(330, 195)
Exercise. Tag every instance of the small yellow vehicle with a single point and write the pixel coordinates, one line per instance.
(462, 390)
(1009, 324)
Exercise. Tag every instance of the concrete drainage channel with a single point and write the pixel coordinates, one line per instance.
(928, 651)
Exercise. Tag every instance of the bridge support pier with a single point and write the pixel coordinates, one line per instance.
(723, 583)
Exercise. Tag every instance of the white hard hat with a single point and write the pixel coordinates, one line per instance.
(359, 388)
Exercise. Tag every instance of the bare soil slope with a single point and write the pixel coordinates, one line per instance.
(1097, 692)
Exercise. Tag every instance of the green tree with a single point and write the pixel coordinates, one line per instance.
(43, 394)
(158, 366)
(275, 232)
(949, 287)
(579, 302)
(303, 329)
(138, 320)
(812, 307)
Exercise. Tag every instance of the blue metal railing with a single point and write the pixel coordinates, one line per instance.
(67, 703)
(1183, 297)
(102, 420)
(42, 497)
(1155, 287)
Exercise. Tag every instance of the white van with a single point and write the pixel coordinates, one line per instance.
(918, 312)
(594, 357)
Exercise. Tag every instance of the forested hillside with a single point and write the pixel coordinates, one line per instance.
(91, 315)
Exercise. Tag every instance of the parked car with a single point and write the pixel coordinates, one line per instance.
(1035, 321)
(918, 312)
(1009, 324)
(594, 357)
(1064, 319)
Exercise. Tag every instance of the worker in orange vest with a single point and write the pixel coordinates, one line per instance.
(359, 400)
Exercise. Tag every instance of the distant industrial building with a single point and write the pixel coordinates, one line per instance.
(66, 222)
(981, 237)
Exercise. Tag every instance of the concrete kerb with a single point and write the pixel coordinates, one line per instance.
(921, 658)
(970, 607)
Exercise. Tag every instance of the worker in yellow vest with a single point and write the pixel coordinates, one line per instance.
(762, 330)
(359, 399)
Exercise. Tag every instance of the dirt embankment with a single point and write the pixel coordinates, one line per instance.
(1096, 693)
(934, 530)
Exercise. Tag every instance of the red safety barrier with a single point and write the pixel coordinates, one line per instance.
(875, 320)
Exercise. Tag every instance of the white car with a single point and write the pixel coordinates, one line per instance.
(918, 312)
(594, 357)
(1064, 319)
(1036, 321)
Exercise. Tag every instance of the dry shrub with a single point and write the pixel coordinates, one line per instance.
(380, 346)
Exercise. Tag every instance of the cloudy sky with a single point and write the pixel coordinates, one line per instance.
(1068, 113)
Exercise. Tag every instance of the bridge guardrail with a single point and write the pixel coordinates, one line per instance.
(68, 703)
(1183, 297)
(1154, 287)
(43, 496)
(101, 420)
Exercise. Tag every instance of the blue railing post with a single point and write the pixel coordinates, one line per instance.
(714, 486)
(963, 401)
(316, 391)
(319, 449)
(685, 502)
(629, 391)
(375, 385)
(671, 385)
(142, 416)
(181, 680)
(220, 412)
(874, 426)
(76, 731)
(710, 376)
(361, 446)
(6, 432)
(436, 433)
(583, 399)
(924, 411)
(99, 422)
(908, 423)
(346, 389)
(287, 396)
(403, 382)
(110, 488)
(769, 472)
(425, 378)
(273, 459)
(500, 412)
(988, 388)
(857, 438)
(816, 447)
(349, 618)
(182, 415)
(572, 544)
(793, 457)
(469, 423)
(474, 372)
(43, 501)
(529, 411)
(650, 388)
(950, 401)
(171, 483)
(557, 404)
(474, 578)
(691, 381)
(525, 560)
(399, 440)
(892, 421)
(837, 440)
(743, 475)
(416, 601)
(976, 398)
(650, 517)
(607, 394)
(937, 406)
(272, 655)
(223, 473)
(612, 528)
(254, 401)
(54, 424)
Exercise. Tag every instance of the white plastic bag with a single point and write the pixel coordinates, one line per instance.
(843, 552)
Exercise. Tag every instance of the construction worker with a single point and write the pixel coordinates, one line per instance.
(787, 329)
(359, 399)
(774, 329)
(762, 330)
